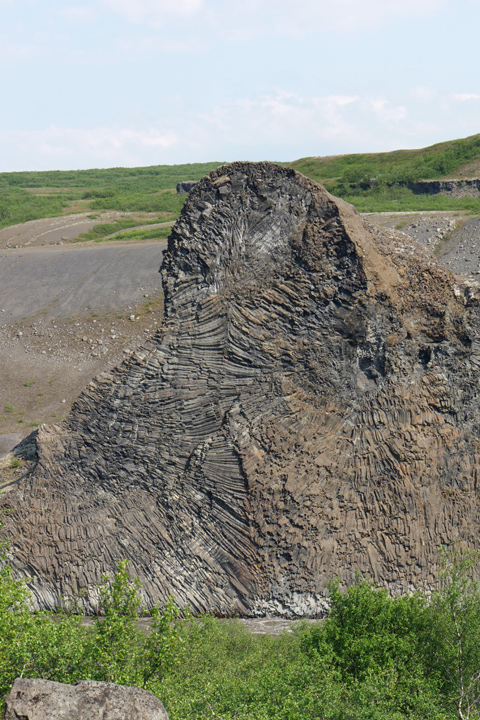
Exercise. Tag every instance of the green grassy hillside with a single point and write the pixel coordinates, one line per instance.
(377, 181)
(32, 195)
(373, 182)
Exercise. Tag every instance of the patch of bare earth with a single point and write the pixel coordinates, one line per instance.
(66, 228)
(66, 314)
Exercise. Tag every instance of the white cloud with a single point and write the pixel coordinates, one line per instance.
(423, 93)
(57, 147)
(14, 47)
(466, 96)
(79, 13)
(287, 126)
(351, 15)
(156, 12)
(275, 126)
(288, 118)
(247, 19)
(388, 113)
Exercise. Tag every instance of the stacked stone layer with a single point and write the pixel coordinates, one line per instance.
(309, 409)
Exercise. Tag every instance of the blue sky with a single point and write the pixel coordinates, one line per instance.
(104, 83)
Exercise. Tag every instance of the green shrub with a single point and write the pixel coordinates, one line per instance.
(455, 631)
(375, 657)
(58, 646)
(113, 644)
(377, 644)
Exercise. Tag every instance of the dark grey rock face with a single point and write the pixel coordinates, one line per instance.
(86, 700)
(309, 409)
(452, 188)
(185, 186)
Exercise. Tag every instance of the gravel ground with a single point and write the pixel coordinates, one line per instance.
(454, 238)
(66, 314)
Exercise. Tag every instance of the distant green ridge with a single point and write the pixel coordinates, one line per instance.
(140, 179)
(38, 194)
(434, 162)
(379, 181)
(373, 182)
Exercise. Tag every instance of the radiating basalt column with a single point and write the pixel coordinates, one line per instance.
(308, 409)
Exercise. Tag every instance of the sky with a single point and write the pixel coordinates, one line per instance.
(108, 83)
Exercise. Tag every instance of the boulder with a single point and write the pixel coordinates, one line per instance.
(86, 700)
(185, 186)
(309, 409)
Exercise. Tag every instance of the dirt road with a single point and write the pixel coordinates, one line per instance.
(38, 283)
(64, 229)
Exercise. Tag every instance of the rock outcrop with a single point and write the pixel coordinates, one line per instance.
(451, 188)
(86, 700)
(185, 186)
(308, 409)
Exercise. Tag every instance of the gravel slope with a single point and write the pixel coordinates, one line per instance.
(66, 313)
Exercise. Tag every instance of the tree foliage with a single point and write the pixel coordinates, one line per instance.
(375, 657)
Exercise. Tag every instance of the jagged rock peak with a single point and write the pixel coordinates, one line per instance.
(308, 409)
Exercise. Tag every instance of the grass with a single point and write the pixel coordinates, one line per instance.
(159, 233)
(33, 195)
(379, 182)
(105, 230)
(105, 182)
(374, 182)
(429, 163)
(401, 199)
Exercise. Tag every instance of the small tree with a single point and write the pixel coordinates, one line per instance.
(165, 641)
(375, 643)
(114, 643)
(14, 623)
(456, 618)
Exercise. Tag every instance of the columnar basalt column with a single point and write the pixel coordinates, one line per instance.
(308, 409)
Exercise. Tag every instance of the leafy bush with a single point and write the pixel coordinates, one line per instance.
(455, 631)
(58, 646)
(375, 657)
(377, 645)
(113, 649)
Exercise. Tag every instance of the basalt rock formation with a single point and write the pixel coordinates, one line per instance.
(185, 186)
(308, 409)
(452, 188)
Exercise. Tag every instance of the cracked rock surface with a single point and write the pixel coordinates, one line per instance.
(86, 700)
(308, 409)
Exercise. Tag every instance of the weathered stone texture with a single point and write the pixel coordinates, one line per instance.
(86, 700)
(185, 186)
(452, 188)
(309, 409)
